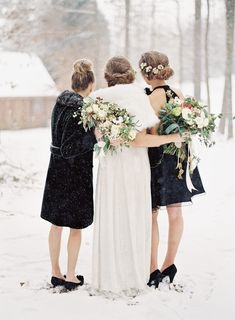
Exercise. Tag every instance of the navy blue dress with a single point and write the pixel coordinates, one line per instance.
(166, 188)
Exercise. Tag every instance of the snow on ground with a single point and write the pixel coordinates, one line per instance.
(205, 280)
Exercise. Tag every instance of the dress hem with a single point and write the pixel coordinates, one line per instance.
(67, 225)
(178, 204)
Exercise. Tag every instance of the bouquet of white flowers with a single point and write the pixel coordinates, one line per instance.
(114, 124)
(186, 116)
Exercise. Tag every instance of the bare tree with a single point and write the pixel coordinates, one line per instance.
(180, 43)
(77, 27)
(127, 27)
(227, 98)
(153, 24)
(197, 50)
(207, 54)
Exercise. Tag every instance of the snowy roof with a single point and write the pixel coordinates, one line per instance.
(24, 75)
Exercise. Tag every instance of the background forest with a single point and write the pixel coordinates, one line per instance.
(198, 36)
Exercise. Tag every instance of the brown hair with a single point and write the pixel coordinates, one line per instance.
(118, 70)
(155, 65)
(82, 74)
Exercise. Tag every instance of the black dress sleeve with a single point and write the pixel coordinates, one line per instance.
(75, 140)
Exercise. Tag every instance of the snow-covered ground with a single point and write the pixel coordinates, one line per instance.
(206, 260)
(205, 283)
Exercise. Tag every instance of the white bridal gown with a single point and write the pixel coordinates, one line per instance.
(123, 212)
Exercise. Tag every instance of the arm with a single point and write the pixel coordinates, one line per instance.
(144, 139)
(75, 140)
(154, 129)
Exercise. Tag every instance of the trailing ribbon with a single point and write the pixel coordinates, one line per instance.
(191, 165)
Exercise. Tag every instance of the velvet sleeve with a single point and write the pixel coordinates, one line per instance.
(75, 140)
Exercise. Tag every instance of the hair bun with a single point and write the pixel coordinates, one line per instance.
(119, 78)
(166, 73)
(82, 66)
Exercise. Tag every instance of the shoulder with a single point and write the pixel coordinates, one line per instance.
(118, 91)
(157, 99)
(158, 94)
(69, 99)
(178, 92)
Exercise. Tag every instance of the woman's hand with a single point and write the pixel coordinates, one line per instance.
(115, 142)
(177, 138)
(186, 135)
(98, 133)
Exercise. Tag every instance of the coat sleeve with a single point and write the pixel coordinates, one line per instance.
(75, 140)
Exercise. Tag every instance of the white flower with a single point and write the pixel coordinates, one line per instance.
(202, 114)
(178, 145)
(190, 121)
(199, 121)
(114, 131)
(89, 109)
(143, 65)
(86, 100)
(101, 144)
(169, 93)
(186, 113)
(205, 122)
(119, 120)
(177, 100)
(155, 71)
(106, 124)
(132, 134)
(160, 67)
(95, 107)
(102, 114)
(148, 69)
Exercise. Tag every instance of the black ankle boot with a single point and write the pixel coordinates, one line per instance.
(74, 285)
(57, 281)
(169, 272)
(155, 278)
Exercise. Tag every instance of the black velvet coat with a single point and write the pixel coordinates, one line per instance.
(68, 194)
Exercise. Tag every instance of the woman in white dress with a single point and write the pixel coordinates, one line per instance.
(122, 228)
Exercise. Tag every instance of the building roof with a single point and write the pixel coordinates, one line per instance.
(24, 75)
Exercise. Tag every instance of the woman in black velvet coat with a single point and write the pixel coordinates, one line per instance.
(68, 194)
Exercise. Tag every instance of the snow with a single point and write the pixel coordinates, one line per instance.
(206, 259)
(24, 75)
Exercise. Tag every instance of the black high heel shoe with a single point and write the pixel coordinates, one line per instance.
(74, 285)
(169, 272)
(56, 282)
(154, 279)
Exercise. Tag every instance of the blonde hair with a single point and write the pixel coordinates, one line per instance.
(155, 65)
(118, 70)
(82, 75)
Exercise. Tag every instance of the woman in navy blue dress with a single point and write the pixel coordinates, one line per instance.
(167, 189)
(68, 193)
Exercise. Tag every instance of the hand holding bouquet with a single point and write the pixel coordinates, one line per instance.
(188, 117)
(113, 124)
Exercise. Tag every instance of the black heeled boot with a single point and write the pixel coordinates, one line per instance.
(74, 285)
(169, 272)
(56, 282)
(154, 279)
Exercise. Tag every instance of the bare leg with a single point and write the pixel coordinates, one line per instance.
(73, 248)
(176, 226)
(155, 242)
(54, 248)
